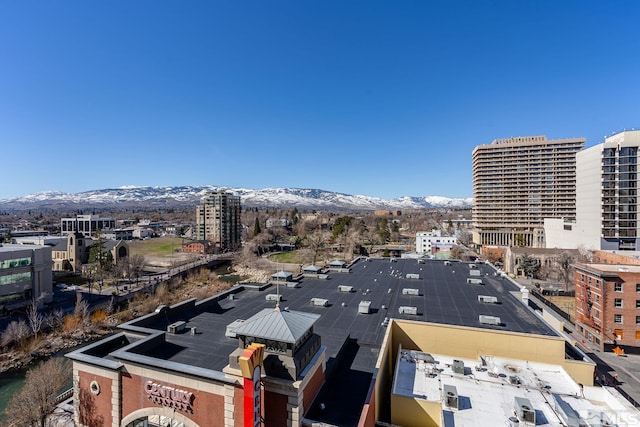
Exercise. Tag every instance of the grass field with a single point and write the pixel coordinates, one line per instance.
(158, 247)
(302, 256)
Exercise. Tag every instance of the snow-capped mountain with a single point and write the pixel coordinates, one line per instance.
(156, 197)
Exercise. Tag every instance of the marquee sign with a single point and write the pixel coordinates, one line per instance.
(169, 396)
(250, 364)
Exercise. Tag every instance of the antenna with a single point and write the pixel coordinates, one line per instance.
(277, 308)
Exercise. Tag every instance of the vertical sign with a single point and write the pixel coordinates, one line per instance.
(250, 364)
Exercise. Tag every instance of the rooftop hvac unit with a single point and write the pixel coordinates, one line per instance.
(273, 297)
(345, 288)
(474, 280)
(407, 310)
(474, 272)
(458, 367)
(176, 327)
(411, 291)
(319, 302)
(412, 276)
(488, 299)
(489, 320)
(524, 410)
(364, 307)
(450, 396)
(472, 266)
(293, 285)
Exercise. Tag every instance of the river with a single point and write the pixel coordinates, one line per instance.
(11, 382)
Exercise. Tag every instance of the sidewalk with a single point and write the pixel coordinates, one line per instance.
(621, 372)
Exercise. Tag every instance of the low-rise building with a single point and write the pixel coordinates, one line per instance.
(25, 275)
(88, 225)
(431, 242)
(608, 305)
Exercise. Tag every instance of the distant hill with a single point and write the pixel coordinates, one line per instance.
(165, 197)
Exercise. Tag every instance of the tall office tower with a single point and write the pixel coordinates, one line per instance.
(607, 193)
(218, 220)
(517, 182)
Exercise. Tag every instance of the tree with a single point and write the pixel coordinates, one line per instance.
(529, 264)
(256, 227)
(383, 230)
(15, 333)
(37, 399)
(136, 264)
(315, 242)
(35, 318)
(562, 266)
(341, 225)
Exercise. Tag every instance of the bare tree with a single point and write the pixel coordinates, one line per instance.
(562, 266)
(54, 320)
(316, 242)
(81, 309)
(584, 255)
(136, 265)
(35, 318)
(15, 333)
(37, 399)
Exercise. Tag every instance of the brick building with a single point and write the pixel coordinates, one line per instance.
(158, 371)
(608, 305)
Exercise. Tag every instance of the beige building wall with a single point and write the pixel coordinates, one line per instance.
(517, 182)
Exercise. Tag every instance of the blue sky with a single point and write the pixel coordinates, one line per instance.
(380, 98)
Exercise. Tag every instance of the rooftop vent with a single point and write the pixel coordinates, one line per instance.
(489, 320)
(488, 299)
(458, 367)
(176, 327)
(407, 310)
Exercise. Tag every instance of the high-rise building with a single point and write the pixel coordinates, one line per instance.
(517, 182)
(218, 220)
(607, 193)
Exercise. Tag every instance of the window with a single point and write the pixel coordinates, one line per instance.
(638, 335)
(638, 303)
(619, 334)
(617, 303)
(637, 320)
(617, 318)
(617, 287)
(596, 314)
(598, 298)
(637, 287)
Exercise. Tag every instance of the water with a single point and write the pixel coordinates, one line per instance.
(10, 383)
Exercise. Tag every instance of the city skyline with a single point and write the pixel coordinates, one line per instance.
(367, 98)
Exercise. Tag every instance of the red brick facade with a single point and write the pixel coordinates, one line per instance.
(608, 305)
(95, 409)
(208, 408)
(608, 257)
(312, 388)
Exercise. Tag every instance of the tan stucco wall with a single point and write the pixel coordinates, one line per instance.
(410, 412)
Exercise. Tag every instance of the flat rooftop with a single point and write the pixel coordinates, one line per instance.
(489, 391)
(440, 293)
(444, 296)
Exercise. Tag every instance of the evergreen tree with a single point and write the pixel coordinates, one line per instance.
(256, 227)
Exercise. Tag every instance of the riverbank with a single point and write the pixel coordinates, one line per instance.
(47, 346)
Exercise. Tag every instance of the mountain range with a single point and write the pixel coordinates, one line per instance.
(282, 198)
